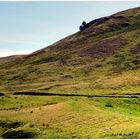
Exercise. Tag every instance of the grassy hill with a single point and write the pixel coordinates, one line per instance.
(104, 58)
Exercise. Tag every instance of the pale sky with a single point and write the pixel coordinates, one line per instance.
(28, 26)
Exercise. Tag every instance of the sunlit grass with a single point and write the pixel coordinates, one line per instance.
(75, 117)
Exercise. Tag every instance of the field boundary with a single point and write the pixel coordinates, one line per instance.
(137, 95)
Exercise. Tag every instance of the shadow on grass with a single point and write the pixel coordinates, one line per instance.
(10, 130)
(18, 134)
(9, 125)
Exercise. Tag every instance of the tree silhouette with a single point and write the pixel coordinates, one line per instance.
(83, 26)
(84, 23)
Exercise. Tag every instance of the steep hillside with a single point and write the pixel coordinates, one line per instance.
(104, 58)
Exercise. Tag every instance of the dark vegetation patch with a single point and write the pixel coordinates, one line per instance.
(1, 94)
(104, 48)
(136, 61)
(9, 124)
(45, 60)
(123, 25)
(66, 77)
(18, 134)
(10, 130)
(108, 105)
(51, 58)
(135, 50)
(122, 135)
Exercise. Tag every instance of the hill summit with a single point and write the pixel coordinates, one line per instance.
(102, 58)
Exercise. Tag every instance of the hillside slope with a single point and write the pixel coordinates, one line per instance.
(10, 58)
(104, 58)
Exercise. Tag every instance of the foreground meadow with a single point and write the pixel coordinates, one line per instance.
(69, 117)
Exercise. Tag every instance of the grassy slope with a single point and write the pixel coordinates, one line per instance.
(64, 68)
(76, 64)
(63, 117)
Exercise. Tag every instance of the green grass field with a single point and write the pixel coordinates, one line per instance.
(69, 117)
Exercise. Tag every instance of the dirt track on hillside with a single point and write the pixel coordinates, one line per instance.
(136, 95)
